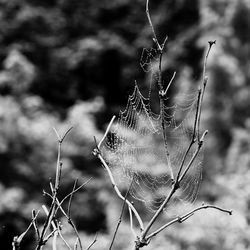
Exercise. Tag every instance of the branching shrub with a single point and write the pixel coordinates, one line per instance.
(133, 150)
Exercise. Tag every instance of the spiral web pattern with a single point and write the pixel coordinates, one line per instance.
(135, 148)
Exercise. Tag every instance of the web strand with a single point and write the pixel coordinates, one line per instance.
(134, 148)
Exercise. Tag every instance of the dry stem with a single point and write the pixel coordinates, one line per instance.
(184, 217)
(98, 154)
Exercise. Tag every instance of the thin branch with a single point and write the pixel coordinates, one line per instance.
(204, 81)
(122, 211)
(210, 45)
(131, 222)
(70, 198)
(57, 134)
(106, 132)
(66, 133)
(76, 232)
(61, 139)
(193, 139)
(59, 204)
(93, 242)
(54, 243)
(200, 143)
(73, 192)
(54, 233)
(47, 224)
(156, 215)
(161, 96)
(152, 27)
(143, 239)
(59, 163)
(169, 84)
(34, 222)
(164, 42)
(47, 213)
(58, 168)
(118, 191)
(65, 242)
(17, 239)
(97, 153)
(185, 217)
(51, 212)
(49, 236)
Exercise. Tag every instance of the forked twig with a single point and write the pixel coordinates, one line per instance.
(67, 215)
(181, 219)
(137, 216)
(200, 144)
(18, 239)
(145, 238)
(52, 210)
(193, 139)
(162, 92)
(64, 241)
(98, 154)
(155, 39)
(73, 192)
(59, 163)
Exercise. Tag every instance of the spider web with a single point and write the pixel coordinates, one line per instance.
(135, 148)
(148, 56)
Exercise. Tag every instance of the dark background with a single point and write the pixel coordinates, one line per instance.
(73, 63)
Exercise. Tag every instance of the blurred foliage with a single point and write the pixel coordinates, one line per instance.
(73, 63)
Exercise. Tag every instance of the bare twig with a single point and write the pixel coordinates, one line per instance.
(171, 193)
(71, 193)
(184, 217)
(106, 132)
(144, 238)
(67, 215)
(162, 92)
(152, 27)
(54, 233)
(204, 82)
(34, 216)
(52, 210)
(65, 242)
(118, 191)
(200, 143)
(93, 242)
(131, 222)
(97, 153)
(70, 199)
(193, 139)
(17, 239)
(169, 84)
(120, 218)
